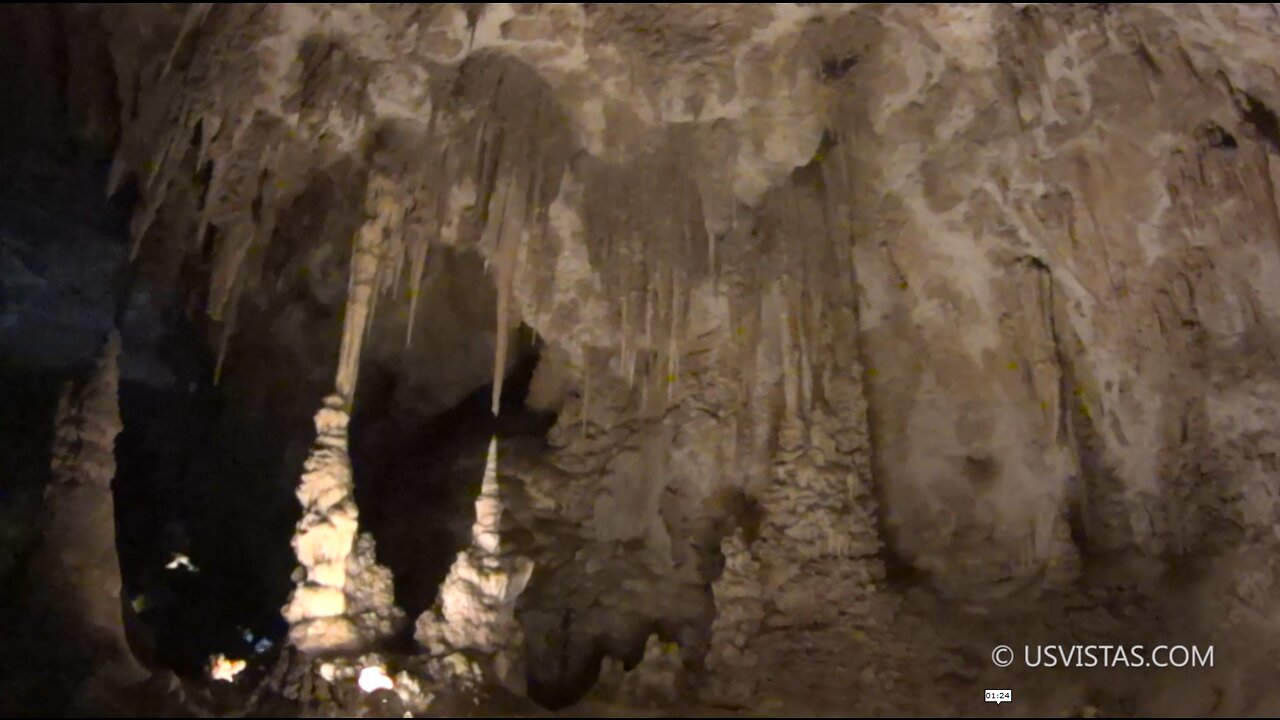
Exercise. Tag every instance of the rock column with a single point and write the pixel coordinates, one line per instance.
(343, 600)
(74, 616)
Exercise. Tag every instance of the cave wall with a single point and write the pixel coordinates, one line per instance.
(988, 292)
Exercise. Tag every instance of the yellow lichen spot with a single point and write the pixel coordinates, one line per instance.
(150, 167)
(671, 378)
(411, 293)
(872, 372)
(280, 184)
(903, 285)
(1013, 365)
(742, 330)
(1044, 405)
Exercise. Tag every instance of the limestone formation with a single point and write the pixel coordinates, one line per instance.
(731, 663)
(344, 600)
(317, 610)
(870, 331)
(73, 634)
(657, 681)
(471, 632)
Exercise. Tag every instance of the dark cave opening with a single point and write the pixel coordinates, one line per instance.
(201, 523)
(417, 476)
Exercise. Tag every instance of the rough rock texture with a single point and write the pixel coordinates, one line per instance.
(344, 599)
(657, 681)
(731, 662)
(73, 630)
(471, 633)
(985, 293)
(317, 610)
(371, 598)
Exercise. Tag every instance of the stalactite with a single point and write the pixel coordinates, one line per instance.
(624, 335)
(366, 258)
(224, 341)
(750, 349)
(648, 316)
(799, 312)
(210, 124)
(430, 225)
(673, 351)
(417, 266)
(321, 607)
(509, 233)
(153, 199)
(777, 340)
(233, 244)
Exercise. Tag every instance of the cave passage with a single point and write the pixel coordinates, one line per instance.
(417, 477)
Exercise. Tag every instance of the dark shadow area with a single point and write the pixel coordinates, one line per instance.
(29, 398)
(62, 252)
(417, 478)
(572, 687)
(197, 481)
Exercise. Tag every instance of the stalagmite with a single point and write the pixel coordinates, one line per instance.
(731, 664)
(317, 610)
(471, 632)
(74, 583)
(323, 612)
(657, 681)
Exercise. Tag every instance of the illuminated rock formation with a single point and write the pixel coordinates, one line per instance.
(343, 600)
(471, 633)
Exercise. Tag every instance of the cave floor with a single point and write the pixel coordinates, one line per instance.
(917, 655)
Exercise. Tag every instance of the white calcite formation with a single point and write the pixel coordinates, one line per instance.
(317, 610)
(343, 600)
(471, 632)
